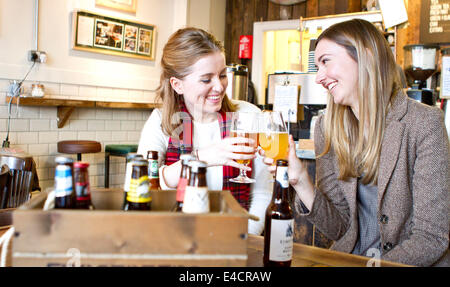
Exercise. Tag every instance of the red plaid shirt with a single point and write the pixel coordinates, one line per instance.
(183, 145)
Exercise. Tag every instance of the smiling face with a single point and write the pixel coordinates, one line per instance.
(337, 72)
(203, 89)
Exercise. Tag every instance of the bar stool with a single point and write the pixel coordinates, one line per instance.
(79, 147)
(116, 150)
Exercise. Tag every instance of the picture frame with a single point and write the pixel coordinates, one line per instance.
(108, 34)
(131, 38)
(144, 45)
(98, 33)
(119, 5)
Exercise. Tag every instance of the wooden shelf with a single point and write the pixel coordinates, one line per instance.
(30, 101)
(66, 107)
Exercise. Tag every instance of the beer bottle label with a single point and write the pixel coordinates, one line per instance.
(281, 239)
(83, 191)
(282, 176)
(196, 200)
(128, 171)
(153, 168)
(139, 190)
(63, 181)
(182, 183)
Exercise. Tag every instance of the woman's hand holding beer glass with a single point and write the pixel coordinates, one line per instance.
(273, 138)
(228, 151)
(297, 170)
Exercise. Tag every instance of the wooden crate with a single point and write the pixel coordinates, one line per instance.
(109, 236)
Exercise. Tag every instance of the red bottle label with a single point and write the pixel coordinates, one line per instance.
(83, 191)
(181, 188)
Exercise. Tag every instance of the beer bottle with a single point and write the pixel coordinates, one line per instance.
(279, 223)
(196, 198)
(65, 196)
(182, 182)
(153, 171)
(82, 186)
(129, 168)
(138, 197)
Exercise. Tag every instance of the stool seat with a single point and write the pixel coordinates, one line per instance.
(116, 150)
(79, 147)
(120, 149)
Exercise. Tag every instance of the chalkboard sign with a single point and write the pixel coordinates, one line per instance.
(435, 21)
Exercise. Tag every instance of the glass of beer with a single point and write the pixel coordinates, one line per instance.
(244, 124)
(273, 136)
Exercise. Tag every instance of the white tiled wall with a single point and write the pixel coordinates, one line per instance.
(34, 129)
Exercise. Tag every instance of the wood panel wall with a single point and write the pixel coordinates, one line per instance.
(241, 14)
(409, 32)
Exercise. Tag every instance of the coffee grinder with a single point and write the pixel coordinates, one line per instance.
(420, 64)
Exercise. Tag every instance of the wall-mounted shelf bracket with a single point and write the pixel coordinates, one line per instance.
(63, 114)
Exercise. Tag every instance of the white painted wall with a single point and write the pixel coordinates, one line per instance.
(83, 75)
(209, 15)
(73, 74)
(68, 66)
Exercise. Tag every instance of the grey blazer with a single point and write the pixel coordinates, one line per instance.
(413, 189)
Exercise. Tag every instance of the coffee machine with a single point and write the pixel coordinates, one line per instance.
(419, 65)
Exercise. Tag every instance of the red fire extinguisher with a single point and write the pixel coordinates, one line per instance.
(245, 46)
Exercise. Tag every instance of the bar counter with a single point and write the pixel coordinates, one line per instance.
(310, 256)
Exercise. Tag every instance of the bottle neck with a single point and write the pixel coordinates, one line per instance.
(281, 185)
(184, 171)
(280, 193)
(198, 178)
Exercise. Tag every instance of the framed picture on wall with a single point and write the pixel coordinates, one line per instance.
(145, 41)
(131, 33)
(108, 34)
(103, 34)
(120, 5)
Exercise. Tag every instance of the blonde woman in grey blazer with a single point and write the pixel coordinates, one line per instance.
(382, 168)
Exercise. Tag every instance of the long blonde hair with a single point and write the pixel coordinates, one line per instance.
(357, 149)
(183, 49)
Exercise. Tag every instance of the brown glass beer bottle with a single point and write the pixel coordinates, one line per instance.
(65, 196)
(182, 182)
(279, 223)
(82, 186)
(153, 170)
(138, 197)
(196, 197)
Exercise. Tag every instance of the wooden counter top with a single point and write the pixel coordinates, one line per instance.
(309, 256)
